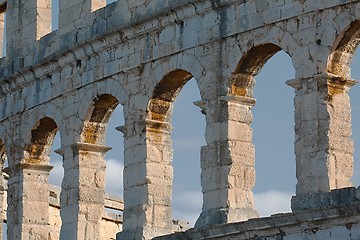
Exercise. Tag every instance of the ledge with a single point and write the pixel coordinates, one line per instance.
(249, 101)
(332, 78)
(20, 166)
(276, 226)
(90, 147)
(323, 200)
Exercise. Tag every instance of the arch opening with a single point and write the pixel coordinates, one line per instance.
(343, 50)
(275, 159)
(274, 151)
(249, 66)
(170, 124)
(42, 136)
(188, 131)
(165, 93)
(101, 119)
(115, 162)
(97, 118)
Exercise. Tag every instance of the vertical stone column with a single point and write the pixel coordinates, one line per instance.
(28, 201)
(71, 12)
(83, 190)
(227, 162)
(323, 145)
(148, 176)
(27, 21)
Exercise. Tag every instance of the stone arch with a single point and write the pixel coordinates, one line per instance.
(159, 108)
(110, 86)
(97, 117)
(42, 136)
(271, 39)
(241, 81)
(184, 62)
(40, 116)
(343, 50)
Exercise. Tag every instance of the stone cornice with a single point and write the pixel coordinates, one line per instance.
(329, 77)
(90, 147)
(276, 225)
(16, 71)
(249, 101)
(84, 146)
(20, 166)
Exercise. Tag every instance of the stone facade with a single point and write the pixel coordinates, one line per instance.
(140, 54)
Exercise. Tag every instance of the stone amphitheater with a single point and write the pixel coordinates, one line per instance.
(139, 54)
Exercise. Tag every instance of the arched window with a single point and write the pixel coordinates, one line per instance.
(273, 136)
(114, 203)
(153, 161)
(272, 125)
(105, 172)
(188, 128)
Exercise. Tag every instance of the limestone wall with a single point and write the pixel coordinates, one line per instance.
(111, 222)
(341, 223)
(140, 54)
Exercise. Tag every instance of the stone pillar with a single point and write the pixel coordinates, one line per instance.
(28, 201)
(323, 145)
(72, 12)
(148, 176)
(83, 190)
(26, 22)
(227, 162)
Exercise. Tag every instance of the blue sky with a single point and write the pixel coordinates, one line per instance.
(273, 138)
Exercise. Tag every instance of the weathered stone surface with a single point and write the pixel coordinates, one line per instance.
(140, 54)
(333, 223)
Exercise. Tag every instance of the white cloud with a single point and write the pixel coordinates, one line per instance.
(114, 176)
(272, 201)
(57, 173)
(187, 206)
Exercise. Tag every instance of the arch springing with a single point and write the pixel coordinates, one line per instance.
(249, 66)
